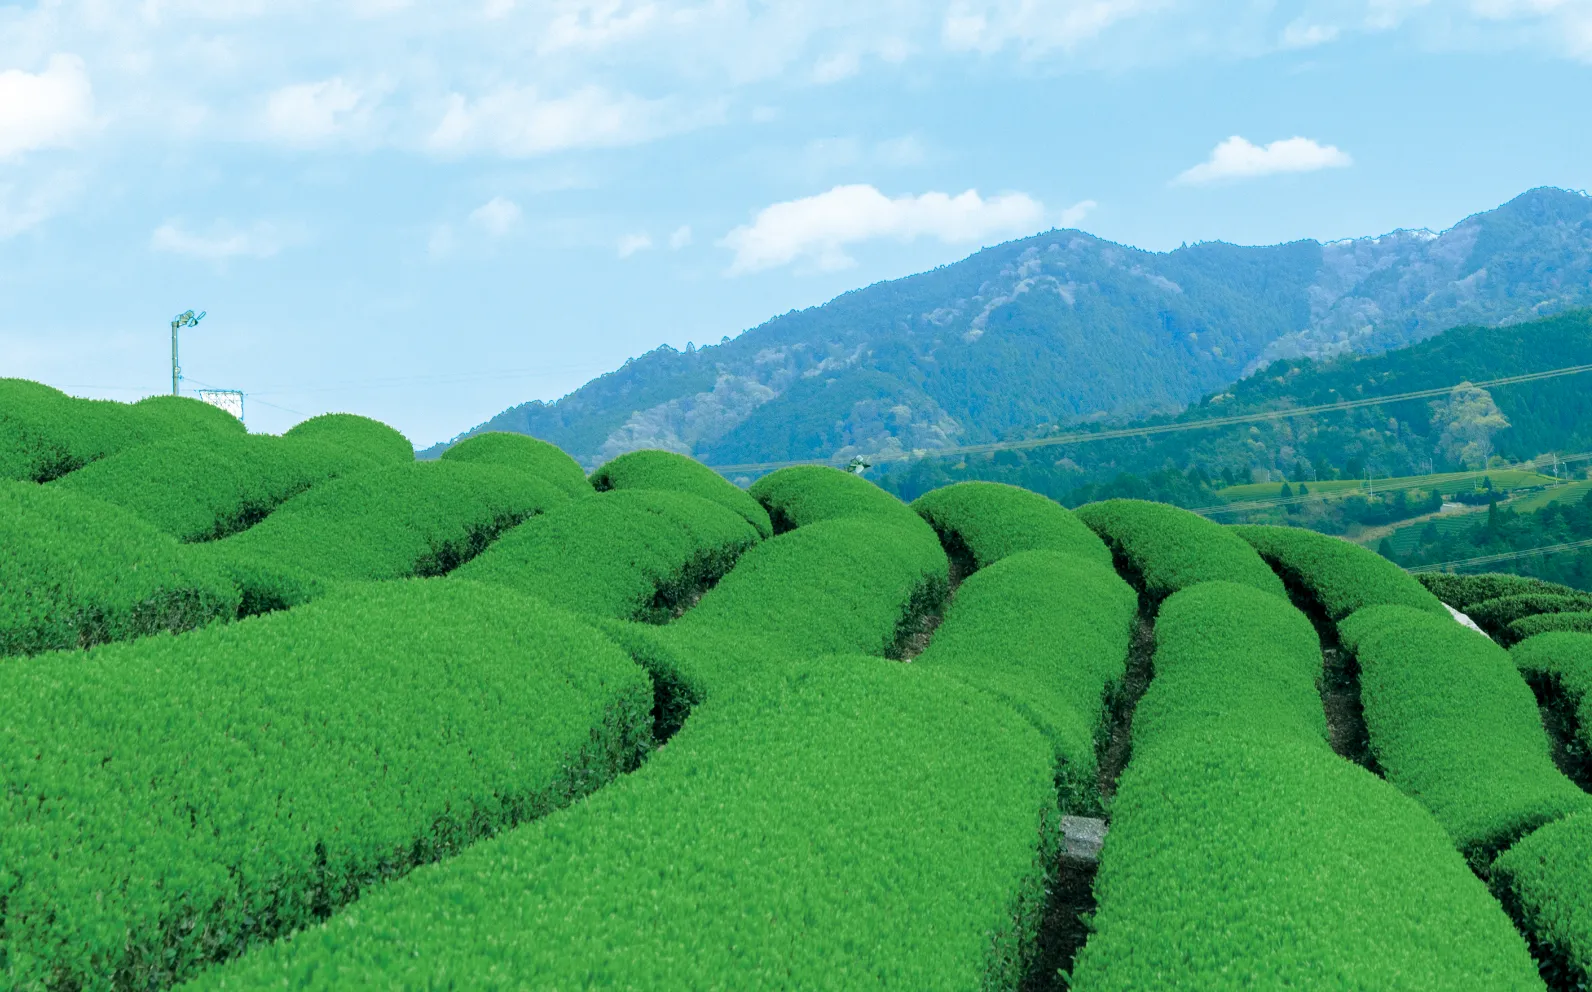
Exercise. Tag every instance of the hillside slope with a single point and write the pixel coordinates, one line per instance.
(1063, 326)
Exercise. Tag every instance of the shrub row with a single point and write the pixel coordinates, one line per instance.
(629, 554)
(1496, 615)
(805, 494)
(1546, 877)
(371, 438)
(678, 473)
(1453, 724)
(844, 823)
(524, 453)
(987, 521)
(836, 587)
(1543, 623)
(1340, 576)
(171, 802)
(201, 489)
(1169, 549)
(45, 433)
(1047, 633)
(1464, 591)
(1244, 854)
(419, 518)
(76, 572)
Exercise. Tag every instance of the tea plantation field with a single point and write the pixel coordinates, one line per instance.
(302, 712)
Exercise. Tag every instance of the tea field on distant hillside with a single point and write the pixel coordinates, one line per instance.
(303, 712)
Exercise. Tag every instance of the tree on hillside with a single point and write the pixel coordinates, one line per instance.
(1466, 423)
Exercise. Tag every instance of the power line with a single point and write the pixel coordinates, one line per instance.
(1082, 437)
(1502, 556)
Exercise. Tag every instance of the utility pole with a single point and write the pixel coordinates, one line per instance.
(185, 319)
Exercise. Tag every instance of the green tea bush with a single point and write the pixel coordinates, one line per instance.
(1545, 879)
(202, 490)
(371, 438)
(1168, 549)
(632, 554)
(76, 572)
(1453, 724)
(1245, 854)
(172, 802)
(989, 520)
(533, 456)
(1544, 623)
(420, 518)
(845, 823)
(45, 433)
(805, 494)
(1495, 615)
(1047, 633)
(1340, 576)
(678, 473)
(1464, 591)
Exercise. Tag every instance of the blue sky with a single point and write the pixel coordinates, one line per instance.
(429, 212)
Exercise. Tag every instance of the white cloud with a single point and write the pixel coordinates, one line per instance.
(681, 237)
(520, 123)
(1077, 212)
(224, 241)
(632, 243)
(834, 68)
(1300, 34)
(496, 216)
(1237, 158)
(311, 113)
(26, 205)
(50, 109)
(1037, 26)
(821, 227)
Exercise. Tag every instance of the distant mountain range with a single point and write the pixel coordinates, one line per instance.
(1063, 327)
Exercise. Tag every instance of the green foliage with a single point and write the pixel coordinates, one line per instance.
(632, 554)
(201, 489)
(1168, 549)
(527, 454)
(1464, 591)
(1546, 622)
(1340, 576)
(45, 433)
(846, 823)
(1244, 854)
(76, 572)
(1496, 615)
(667, 470)
(843, 586)
(1558, 664)
(1048, 634)
(371, 438)
(419, 518)
(1507, 530)
(805, 494)
(1546, 878)
(989, 521)
(172, 802)
(1453, 724)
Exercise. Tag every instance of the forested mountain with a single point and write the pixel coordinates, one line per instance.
(1459, 430)
(1063, 327)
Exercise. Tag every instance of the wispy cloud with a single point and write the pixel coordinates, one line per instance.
(49, 109)
(1238, 158)
(520, 122)
(629, 244)
(223, 241)
(314, 113)
(821, 227)
(1074, 214)
(497, 216)
(1034, 26)
(681, 237)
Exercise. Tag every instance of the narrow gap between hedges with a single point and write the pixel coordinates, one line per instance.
(1071, 903)
(1570, 755)
(924, 615)
(1339, 684)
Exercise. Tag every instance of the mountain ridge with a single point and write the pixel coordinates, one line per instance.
(1063, 327)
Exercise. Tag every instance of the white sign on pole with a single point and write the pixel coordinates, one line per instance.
(230, 400)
